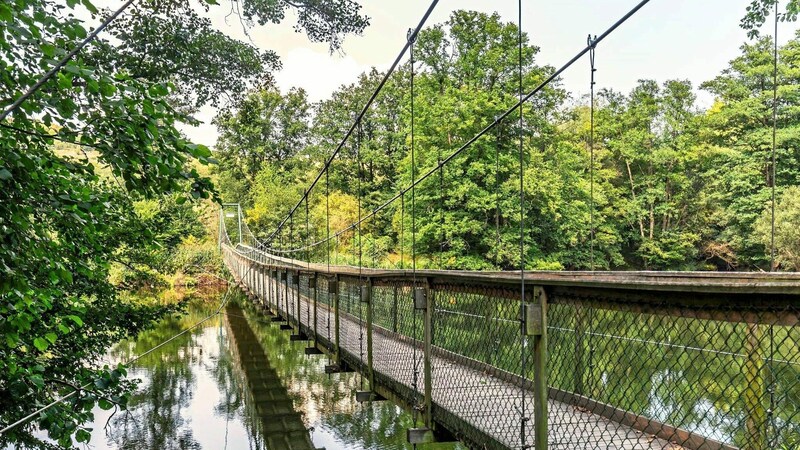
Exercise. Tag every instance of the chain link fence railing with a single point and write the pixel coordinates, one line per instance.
(630, 361)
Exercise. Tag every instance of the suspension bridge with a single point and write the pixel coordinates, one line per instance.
(519, 359)
(531, 359)
(614, 360)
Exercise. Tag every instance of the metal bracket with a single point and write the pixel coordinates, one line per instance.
(298, 337)
(366, 294)
(333, 287)
(286, 326)
(533, 313)
(532, 319)
(420, 298)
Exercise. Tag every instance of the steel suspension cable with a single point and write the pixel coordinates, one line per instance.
(411, 39)
(360, 255)
(592, 70)
(328, 249)
(774, 135)
(402, 231)
(524, 344)
(772, 378)
(497, 197)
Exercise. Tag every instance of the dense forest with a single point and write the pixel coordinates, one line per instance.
(675, 187)
(100, 191)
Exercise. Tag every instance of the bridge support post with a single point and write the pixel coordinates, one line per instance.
(296, 283)
(394, 311)
(276, 291)
(535, 326)
(366, 297)
(755, 413)
(423, 302)
(580, 328)
(334, 289)
(371, 395)
(427, 355)
(312, 285)
(300, 336)
(259, 284)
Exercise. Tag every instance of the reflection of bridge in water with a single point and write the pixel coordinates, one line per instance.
(632, 360)
(281, 426)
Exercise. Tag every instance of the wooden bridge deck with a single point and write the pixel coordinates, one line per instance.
(480, 401)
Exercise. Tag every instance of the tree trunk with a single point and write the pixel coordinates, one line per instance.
(633, 194)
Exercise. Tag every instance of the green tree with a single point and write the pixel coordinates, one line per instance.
(468, 73)
(63, 218)
(787, 233)
(265, 127)
(741, 123)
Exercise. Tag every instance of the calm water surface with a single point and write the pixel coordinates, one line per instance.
(238, 382)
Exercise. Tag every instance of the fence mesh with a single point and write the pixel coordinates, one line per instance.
(626, 369)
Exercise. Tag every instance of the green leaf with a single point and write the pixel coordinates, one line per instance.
(82, 435)
(37, 380)
(88, 4)
(76, 319)
(51, 337)
(4, 174)
(104, 404)
(40, 344)
(5, 13)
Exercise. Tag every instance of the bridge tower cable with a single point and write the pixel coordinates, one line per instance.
(592, 70)
(524, 339)
(771, 424)
(415, 377)
(360, 253)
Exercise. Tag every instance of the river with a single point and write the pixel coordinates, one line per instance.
(238, 382)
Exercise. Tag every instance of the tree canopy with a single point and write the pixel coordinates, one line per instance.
(80, 159)
(675, 186)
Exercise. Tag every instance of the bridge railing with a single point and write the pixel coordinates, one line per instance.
(630, 360)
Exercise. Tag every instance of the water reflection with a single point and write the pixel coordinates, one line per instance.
(228, 383)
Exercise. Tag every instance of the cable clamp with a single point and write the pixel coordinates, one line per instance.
(411, 36)
(591, 41)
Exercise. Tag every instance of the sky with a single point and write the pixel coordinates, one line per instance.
(667, 39)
